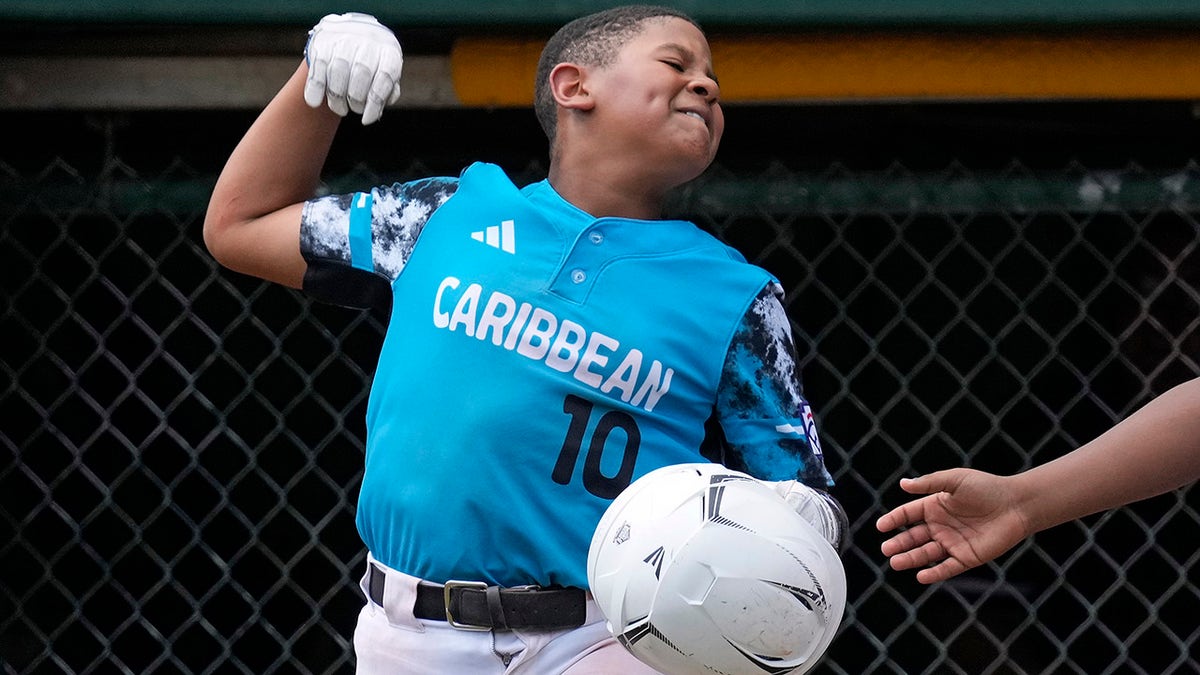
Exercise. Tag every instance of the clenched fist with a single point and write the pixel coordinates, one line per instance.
(354, 63)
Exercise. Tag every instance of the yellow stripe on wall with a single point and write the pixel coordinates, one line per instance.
(494, 71)
(858, 66)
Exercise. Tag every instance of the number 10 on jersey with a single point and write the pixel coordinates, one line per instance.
(607, 487)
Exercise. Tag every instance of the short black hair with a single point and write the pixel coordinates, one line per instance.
(592, 40)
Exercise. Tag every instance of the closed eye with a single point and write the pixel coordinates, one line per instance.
(676, 66)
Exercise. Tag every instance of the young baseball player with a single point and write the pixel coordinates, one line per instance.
(547, 344)
(968, 517)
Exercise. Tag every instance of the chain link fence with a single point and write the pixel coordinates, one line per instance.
(984, 285)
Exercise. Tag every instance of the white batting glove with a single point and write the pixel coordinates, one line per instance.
(818, 507)
(354, 63)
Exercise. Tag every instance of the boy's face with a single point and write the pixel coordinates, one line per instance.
(660, 100)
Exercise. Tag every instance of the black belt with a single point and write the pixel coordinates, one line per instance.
(472, 605)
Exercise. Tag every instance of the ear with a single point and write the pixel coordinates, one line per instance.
(568, 85)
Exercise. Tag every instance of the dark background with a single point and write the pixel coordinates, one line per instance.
(982, 284)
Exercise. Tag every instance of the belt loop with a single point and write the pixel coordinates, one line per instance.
(394, 594)
(495, 608)
(375, 583)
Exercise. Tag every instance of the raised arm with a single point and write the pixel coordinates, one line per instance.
(253, 220)
(968, 518)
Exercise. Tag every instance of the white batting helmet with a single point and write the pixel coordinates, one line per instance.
(700, 569)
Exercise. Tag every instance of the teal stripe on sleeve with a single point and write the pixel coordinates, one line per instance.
(360, 232)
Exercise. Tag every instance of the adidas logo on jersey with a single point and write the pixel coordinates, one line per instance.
(502, 236)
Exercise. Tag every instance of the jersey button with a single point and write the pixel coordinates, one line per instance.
(578, 276)
(597, 237)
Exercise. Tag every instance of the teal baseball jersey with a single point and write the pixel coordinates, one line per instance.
(538, 360)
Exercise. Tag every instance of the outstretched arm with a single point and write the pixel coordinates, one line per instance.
(968, 518)
(253, 220)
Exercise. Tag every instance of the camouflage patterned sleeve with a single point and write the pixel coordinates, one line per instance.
(768, 426)
(357, 244)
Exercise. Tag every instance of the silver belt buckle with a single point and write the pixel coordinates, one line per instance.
(451, 585)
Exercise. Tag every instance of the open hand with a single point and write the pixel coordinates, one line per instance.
(966, 519)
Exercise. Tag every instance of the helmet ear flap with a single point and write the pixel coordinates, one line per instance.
(698, 568)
